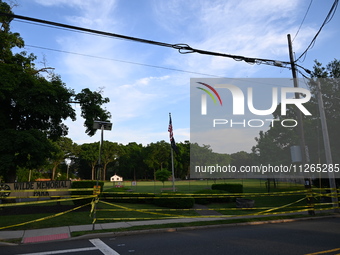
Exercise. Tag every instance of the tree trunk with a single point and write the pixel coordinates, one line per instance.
(53, 171)
(92, 178)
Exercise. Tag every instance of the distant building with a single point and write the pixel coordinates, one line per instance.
(116, 178)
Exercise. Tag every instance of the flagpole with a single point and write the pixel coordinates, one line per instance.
(172, 158)
(173, 170)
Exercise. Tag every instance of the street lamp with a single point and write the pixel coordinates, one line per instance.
(102, 125)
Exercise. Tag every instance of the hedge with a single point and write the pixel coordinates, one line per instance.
(128, 197)
(84, 185)
(174, 201)
(203, 200)
(231, 188)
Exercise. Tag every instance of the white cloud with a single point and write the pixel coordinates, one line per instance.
(90, 13)
(256, 28)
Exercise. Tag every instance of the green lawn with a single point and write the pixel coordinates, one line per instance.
(253, 189)
(189, 186)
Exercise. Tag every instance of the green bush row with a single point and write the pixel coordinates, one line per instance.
(174, 202)
(132, 198)
(214, 197)
(231, 188)
(164, 200)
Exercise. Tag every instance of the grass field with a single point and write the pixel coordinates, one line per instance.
(253, 189)
(189, 186)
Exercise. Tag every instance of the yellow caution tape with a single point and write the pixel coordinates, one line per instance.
(46, 190)
(276, 208)
(136, 210)
(296, 192)
(45, 218)
(93, 203)
(45, 201)
(268, 211)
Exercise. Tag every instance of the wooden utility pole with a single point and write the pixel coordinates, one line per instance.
(308, 185)
(329, 160)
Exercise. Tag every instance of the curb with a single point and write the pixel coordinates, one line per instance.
(175, 229)
(7, 244)
(178, 229)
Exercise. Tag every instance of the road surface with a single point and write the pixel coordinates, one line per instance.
(320, 236)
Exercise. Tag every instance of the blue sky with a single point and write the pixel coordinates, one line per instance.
(142, 96)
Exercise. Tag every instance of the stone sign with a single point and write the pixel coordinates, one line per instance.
(34, 189)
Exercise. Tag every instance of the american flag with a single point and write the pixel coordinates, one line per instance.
(171, 135)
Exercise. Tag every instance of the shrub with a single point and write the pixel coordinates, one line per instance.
(207, 200)
(83, 185)
(174, 201)
(231, 188)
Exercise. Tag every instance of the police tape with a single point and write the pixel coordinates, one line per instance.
(47, 190)
(44, 218)
(296, 192)
(283, 206)
(218, 217)
(307, 208)
(137, 210)
(46, 201)
(171, 196)
(42, 197)
(174, 195)
(268, 211)
(197, 209)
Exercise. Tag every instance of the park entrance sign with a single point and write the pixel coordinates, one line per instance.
(34, 189)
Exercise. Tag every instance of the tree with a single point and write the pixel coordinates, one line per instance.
(131, 164)
(157, 156)
(242, 158)
(110, 153)
(90, 153)
(273, 146)
(182, 160)
(33, 107)
(162, 175)
(64, 148)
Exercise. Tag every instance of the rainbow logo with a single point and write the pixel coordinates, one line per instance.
(210, 94)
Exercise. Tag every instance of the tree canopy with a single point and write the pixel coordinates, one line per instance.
(273, 146)
(33, 106)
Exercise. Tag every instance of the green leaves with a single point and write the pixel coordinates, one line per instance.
(91, 110)
(33, 107)
(162, 175)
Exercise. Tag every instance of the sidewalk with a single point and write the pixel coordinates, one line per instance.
(50, 234)
(58, 233)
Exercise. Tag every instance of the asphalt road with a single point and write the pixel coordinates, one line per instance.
(321, 236)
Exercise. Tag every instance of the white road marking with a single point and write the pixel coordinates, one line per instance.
(99, 245)
(62, 251)
(103, 247)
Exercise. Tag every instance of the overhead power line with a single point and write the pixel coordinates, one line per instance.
(181, 47)
(122, 61)
(327, 19)
(303, 20)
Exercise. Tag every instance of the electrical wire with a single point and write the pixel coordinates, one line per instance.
(181, 47)
(122, 61)
(303, 20)
(328, 18)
